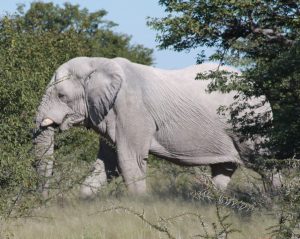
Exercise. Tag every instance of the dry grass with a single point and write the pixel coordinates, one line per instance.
(87, 221)
(169, 212)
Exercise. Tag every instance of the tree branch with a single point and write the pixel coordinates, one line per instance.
(273, 35)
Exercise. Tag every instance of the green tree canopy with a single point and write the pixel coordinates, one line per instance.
(261, 37)
(33, 43)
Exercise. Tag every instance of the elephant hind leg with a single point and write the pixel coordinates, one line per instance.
(221, 174)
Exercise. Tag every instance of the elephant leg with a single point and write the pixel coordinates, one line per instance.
(133, 148)
(221, 174)
(110, 158)
(134, 174)
(104, 169)
(134, 132)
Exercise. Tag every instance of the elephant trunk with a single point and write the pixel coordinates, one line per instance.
(42, 109)
(43, 149)
(43, 141)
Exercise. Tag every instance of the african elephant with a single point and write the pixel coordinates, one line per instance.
(141, 110)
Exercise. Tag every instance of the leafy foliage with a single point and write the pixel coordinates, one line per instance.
(33, 44)
(259, 36)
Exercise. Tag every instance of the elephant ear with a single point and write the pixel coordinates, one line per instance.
(101, 89)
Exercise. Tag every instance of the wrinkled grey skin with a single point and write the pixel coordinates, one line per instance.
(142, 110)
(43, 147)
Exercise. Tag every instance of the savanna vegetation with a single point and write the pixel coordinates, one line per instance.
(260, 37)
(33, 43)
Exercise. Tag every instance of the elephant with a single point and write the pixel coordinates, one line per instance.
(44, 147)
(142, 109)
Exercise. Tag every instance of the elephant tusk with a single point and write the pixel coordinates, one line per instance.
(47, 122)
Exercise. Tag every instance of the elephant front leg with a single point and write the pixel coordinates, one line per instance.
(133, 144)
(104, 169)
(133, 169)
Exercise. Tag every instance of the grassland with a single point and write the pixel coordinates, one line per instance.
(168, 211)
(96, 220)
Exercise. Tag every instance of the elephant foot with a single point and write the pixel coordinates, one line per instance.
(221, 174)
(137, 187)
(94, 181)
(221, 181)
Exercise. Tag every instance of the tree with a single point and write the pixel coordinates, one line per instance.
(261, 37)
(33, 44)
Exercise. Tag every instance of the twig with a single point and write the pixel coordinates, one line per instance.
(141, 216)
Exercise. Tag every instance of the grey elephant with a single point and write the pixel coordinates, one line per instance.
(141, 109)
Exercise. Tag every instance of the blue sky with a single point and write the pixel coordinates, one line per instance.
(131, 17)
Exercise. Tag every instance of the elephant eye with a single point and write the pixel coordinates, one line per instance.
(61, 96)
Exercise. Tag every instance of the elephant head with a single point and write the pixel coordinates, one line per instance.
(79, 90)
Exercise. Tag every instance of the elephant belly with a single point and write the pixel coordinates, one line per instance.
(196, 149)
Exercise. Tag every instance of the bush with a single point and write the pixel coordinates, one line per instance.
(32, 45)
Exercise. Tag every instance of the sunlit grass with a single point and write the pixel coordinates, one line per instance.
(87, 220)
(168, 211)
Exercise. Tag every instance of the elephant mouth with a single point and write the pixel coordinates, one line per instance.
(70, 121)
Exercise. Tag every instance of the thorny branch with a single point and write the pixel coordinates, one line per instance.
(160, 228)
